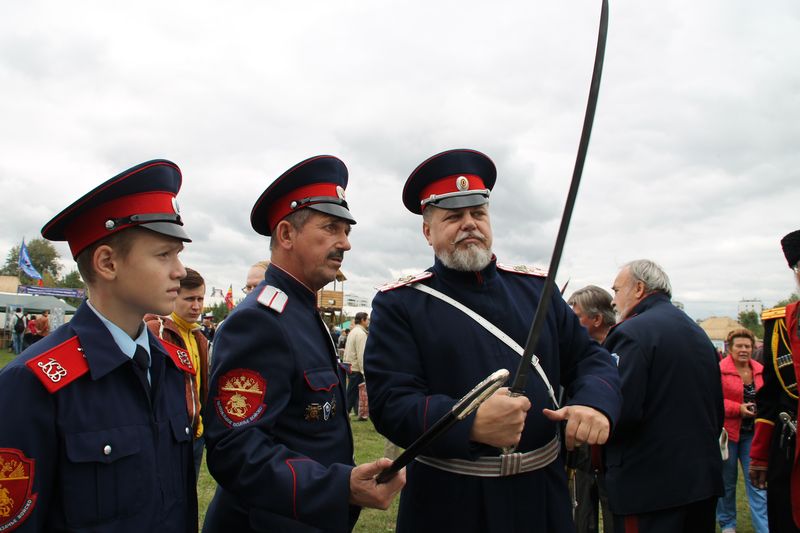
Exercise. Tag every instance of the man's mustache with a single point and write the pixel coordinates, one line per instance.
(463, 235)
(338, 254)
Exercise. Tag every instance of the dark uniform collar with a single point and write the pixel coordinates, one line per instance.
(293, 287)
(648, 302)
(466, 278)
(99, 348)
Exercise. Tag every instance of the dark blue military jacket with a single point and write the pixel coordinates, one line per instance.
(277, 431)
(99, 456)
(665, 451)
(423, 354)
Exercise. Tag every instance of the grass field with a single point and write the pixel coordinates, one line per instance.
(369, 446)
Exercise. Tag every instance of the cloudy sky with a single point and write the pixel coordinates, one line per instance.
(693, 162)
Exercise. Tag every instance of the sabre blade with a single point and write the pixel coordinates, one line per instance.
(521, 377)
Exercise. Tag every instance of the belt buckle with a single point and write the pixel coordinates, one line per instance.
(510, 464)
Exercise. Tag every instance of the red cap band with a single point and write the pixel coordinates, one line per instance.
(451, 184)
(283, 206)
(90, 227)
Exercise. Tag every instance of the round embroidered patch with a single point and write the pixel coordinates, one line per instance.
(16, 483)
(240, 397)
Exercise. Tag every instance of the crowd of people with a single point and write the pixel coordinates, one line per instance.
(27, 328)
(627, 413)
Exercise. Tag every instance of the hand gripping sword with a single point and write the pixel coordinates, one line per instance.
(463, 407)
(521, 377)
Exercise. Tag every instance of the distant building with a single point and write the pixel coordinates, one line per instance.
(353, 300)
(9, 284)
(717, 329)
(745, 306)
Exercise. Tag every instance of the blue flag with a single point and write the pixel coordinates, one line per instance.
(25, 262)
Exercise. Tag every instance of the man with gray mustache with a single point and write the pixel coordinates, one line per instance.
(435, 335)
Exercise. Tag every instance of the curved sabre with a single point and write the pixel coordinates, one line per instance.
(521, 377)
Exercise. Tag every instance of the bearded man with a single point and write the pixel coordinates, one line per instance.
(435, 335)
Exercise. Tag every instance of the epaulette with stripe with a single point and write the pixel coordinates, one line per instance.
(523, 269)
(775, 312)
(405, 280)
(59, 366)
(274, 298)
(179, 356)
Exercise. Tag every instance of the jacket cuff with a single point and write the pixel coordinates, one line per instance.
(759, 449)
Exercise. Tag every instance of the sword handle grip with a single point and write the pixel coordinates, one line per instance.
(385, 476)
(510, 449)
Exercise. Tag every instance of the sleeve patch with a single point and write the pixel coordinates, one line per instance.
(59, 366)
(240, 397)
(405, 280)
(16, 485)
(523, 269)
(179, 356)
(274, 298)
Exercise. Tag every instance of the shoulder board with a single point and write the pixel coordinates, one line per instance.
(179, 356)
(775, 312)
(523, 269)
(405, 280)
(274, 298)
(60, 365)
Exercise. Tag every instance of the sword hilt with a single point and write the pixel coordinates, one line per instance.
(510, 449)
(788, 422)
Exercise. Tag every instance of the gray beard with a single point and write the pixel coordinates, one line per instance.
(471, 259)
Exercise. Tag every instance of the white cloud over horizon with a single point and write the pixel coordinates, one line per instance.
(693, 160)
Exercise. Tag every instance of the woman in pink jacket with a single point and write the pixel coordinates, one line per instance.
(741, 377)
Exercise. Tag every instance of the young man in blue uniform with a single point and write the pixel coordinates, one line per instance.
(663, 463)
(424, 352)
(94, 434)
(277, 431)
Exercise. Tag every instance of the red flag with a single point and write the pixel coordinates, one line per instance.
(40, 282)
(229, 298)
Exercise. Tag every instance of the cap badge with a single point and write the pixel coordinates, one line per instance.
(110, 224)
(462, 183)
(175, 205)
(340, 192)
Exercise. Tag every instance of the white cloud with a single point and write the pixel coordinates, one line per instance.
(693, 160)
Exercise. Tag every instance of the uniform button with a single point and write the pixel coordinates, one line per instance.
(187, 430)
(107, 449)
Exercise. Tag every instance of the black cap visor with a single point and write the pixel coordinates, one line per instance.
(457, 202)
(170, 229)
(335, 210)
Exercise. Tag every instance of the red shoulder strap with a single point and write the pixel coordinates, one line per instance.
(179, 356)
(60, 365)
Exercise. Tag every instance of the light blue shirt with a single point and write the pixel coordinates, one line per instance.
(123, 340)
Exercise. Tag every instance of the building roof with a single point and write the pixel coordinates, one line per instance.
(718, 327)
(33, 304)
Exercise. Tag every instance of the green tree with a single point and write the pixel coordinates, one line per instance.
(752, 321)
(44, 258)
(792, 298)
(72, 281)
(219, 310)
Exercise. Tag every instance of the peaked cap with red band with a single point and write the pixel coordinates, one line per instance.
(317, 183)
(141, 196)
(450, 180)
